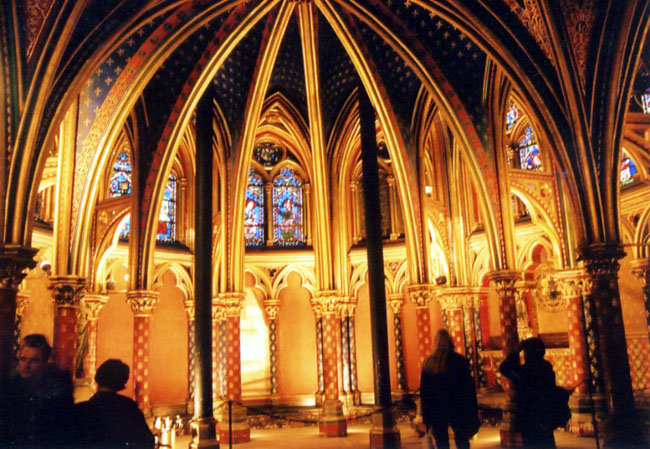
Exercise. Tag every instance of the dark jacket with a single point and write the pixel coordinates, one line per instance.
(534, 382)
(450, 397)
(109, 420)
(36, 415)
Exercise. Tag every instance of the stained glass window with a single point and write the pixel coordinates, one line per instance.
(628, 169)
(529, 151)
(254, 211)
(267, 154)
(645, 102)
(120, 182)
(511, 116)
(287, 209)
(167, 217)
(125, 228)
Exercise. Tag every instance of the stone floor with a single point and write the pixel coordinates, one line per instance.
(358, 435)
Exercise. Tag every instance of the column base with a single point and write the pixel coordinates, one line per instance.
(203, 433)
(332, 422)
(241, 431)
(582, 422)
(384, 433)
(508, 434)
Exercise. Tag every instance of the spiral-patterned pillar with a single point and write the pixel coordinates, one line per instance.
(396, 302)
(272, 307)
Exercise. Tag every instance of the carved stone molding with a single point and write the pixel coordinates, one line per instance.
(451, 298)
(421, 294)
(190, 309)
(601, 259)
(14, 260)
(66, 290)
(232, 302)
(396, 302)
(218, 310)
(326, 302)
(94, 303)
(142, 302)
(347, 307)
(272, 307)
(572, 283)
(505, 281)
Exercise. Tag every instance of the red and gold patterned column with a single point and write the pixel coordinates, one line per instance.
(504, 282)
(573, 285)
(451, 304)
(66, 291)
(421, 295)
(93, 304)
(236, 418)
(623, 425)
(13, 261)
(142, 303)
(332, 422)
(190, 311)
(218, 315)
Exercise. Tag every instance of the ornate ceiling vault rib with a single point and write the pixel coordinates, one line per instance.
(255, 100)
(308, 32)
(240, 21)
(344, 28)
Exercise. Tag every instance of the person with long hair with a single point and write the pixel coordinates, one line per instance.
(448, 395)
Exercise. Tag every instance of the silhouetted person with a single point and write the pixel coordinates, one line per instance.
(109, 420)
(36, 403)
(533, 382)
(448, 395)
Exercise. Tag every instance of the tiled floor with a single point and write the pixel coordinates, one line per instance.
(358, 435)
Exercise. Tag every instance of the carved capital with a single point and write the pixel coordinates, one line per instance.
(396, 302)
(232, 303)
(601, 259)
(641, 270)
(142, 302)
(66, 290)
(272, 307)
(505, 281)
(421, 294)
(572, 283)
(22, 299)
(218, 310)
(190, 309)
(450, 301)
(347, 307)
(94, 303)
(325, 302)
(14, 260)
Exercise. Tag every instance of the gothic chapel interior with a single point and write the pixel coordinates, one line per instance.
(183, 188)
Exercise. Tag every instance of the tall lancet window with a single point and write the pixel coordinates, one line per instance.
(287, 209)
(254, 210)
(529, 151)
(120, 180)
(512, 115)
(167, 217)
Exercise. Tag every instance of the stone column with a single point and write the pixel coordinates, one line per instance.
(505, 285)
(320, 393)
(396, 301)
(354, 193)
(218, 356)
(93, 304)
(623, 426)
(190, 310)
(347, 311)
(272, 307)
(421, 295)
(332, 422)
(142, 303)
(14, 260)
(451, 304)
(573, 285)
(22, 300)
(241, 432)
(66, 291)
(394, 204)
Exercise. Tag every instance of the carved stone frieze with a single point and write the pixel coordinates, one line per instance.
(142, 302)
(66, 290)
(421, 294)
(602, 259)
(14, 260)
